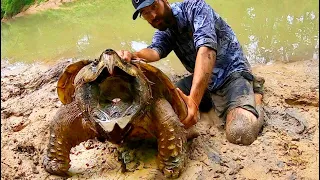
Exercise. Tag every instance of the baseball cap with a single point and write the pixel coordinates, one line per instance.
(139, 4)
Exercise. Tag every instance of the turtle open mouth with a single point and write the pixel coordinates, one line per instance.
(115, 94)
(118, 100)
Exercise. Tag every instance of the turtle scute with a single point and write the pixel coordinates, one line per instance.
(111, 99)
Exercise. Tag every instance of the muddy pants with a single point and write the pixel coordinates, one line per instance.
(236, 91)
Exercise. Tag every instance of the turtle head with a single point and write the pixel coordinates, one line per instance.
(119, 94)
(110, 59)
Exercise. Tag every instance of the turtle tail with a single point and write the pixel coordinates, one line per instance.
(171, 137)
(67, 129)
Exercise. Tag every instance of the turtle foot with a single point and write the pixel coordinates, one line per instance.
(171, 168)
(172, 153)
(171, 139)
(55, 166)
(128, 159)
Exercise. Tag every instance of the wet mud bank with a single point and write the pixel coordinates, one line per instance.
(287, 147)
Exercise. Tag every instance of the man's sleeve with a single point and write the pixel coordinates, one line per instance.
(162, 43)
(203, 19)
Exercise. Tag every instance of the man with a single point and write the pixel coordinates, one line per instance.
(208, 48)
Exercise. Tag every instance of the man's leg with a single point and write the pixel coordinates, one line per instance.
(242, 126)
(185, 86)
(241, 108)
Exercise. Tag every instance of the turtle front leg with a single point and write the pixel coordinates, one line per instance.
(67, 129)
(171, 137)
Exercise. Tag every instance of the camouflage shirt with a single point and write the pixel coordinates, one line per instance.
(199, 25)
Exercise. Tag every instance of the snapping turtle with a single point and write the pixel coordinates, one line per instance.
(111, 99)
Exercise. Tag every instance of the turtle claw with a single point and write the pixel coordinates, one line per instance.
(56, 167)
(172, 167)
(128, 160)
(171, 173)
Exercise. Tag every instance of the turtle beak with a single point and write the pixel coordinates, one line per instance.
(109, 61)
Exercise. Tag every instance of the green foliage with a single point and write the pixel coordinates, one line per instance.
(10, 8)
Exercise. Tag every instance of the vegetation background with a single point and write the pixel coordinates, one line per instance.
(10, 8)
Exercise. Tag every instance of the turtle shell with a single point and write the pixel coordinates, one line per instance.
(148, 82)
(65, 87)
(162, 86)
(113, 79)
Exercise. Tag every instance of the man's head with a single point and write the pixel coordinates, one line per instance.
(157, 12)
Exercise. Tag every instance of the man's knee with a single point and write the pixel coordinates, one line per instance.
(242, 126)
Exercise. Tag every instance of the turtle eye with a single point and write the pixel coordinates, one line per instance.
(96, 61)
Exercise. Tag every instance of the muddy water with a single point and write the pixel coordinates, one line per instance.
(269, 31)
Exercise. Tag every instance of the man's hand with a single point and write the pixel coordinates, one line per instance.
(126, 55)
(192, 117)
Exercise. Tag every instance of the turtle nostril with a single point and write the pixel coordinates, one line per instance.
(109, 51)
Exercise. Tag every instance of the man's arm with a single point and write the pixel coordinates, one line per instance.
(160, 47)
(205, 62)
(203, 20)
(147, 54)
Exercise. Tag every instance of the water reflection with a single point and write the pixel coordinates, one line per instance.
(83, 43)
(137, 46)
(268, 30)
(289, 38)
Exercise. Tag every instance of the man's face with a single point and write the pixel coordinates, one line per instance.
(157, 14)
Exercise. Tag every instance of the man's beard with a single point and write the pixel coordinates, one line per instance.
(164, 25)
(165, 21)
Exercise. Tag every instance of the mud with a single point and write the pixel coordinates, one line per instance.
(286, 148)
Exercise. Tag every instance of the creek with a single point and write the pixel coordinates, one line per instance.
(269, 30)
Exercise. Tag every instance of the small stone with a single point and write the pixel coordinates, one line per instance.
(216, 175)
(237, 158)
(223, 150)
(18, 127)
(222, 170)
(295, 138)
(232, 172)
(280, 164)
(35, 170)
(88, 145)
(212, 131)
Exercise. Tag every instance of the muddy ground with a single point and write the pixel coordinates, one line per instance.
(287, 147)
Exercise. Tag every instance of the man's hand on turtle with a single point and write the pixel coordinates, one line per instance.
(126, 55)
(192, 117)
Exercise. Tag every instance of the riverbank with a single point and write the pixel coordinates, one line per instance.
(287, 148)
(37, 7)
